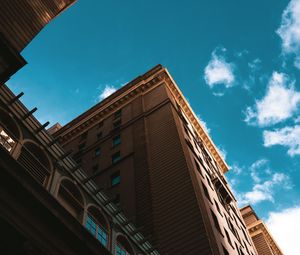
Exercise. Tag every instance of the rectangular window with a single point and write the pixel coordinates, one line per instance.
(228, 237)
(6, 141)
(120, 250)
(116, 157)
(209, 182)
(100, 125)
(97, 152)
(83, 136)
(99, 135)
(198, 168)
(96, 230)
(225, 251)
(218, 207)
(117, 123)
(81, 146)
(95, 168)
(116, 140)
(115, 179)
(206, 192)
(118, 114)
(216, 222)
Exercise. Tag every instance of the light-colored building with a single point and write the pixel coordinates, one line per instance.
(262, 239)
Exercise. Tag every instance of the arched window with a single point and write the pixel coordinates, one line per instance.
(123, 246)
(35, 161)
(71, 198)
(97, 225)
(9, 131)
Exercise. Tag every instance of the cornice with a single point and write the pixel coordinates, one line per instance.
(259, 227)
(131, 91)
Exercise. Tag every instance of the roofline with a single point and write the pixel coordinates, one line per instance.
(142, 83)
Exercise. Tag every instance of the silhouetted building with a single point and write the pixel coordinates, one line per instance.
(48, 205)
(146, 147)
(262, 239)
(20, 22)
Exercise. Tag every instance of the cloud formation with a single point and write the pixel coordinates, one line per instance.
(266, 183)
(264, 191)
(218, 71)
(289, 31)
(287, 136)
(107, 91)
(285, 228)
(280, 102)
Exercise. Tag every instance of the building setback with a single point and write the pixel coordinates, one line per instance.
(146, 148)
(47, 203)
(20, 22)
(261, 237)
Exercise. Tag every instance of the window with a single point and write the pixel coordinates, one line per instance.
(225, 251)
(115, 179)
(206, 192)
(198, 167)
(228, 237)
(209, 182)
(216, 222)
(83, 136)
(115, 157)
(218, 207)
(95, 168)
(117, 114)
(81, 146)
(116, 140)
(120, 250)
(97, 152)
(99, 135)
(96, 230)
(117, 123)
(6, 141)
(100, 125)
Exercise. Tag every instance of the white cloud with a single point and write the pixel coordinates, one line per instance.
(285, 228)
(107, 91)
(289, 30)
(280, 102)
(287, 136)
(255, 168)
(218, 71)
(265, 191)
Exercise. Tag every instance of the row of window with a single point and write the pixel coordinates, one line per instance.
(115, 142)
(117, 121)
(95, 221)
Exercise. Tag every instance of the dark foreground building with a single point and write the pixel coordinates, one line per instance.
(262, 238)
(48, 205)
(20, 22)
(147, 149)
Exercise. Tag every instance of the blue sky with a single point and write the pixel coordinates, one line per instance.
(237, 62)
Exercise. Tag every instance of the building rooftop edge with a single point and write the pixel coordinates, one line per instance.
(177, 94)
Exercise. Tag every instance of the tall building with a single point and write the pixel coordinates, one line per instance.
(48, 205)
(20, 22)
(146, 148)
(261, 237)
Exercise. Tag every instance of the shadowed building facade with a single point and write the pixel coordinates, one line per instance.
(147, 149)
(47, 203)
(20, 22)
(262, 239)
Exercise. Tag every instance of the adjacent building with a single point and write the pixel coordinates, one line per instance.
(146, 148)
(261, 237)
(48, 204)
(20, 22)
